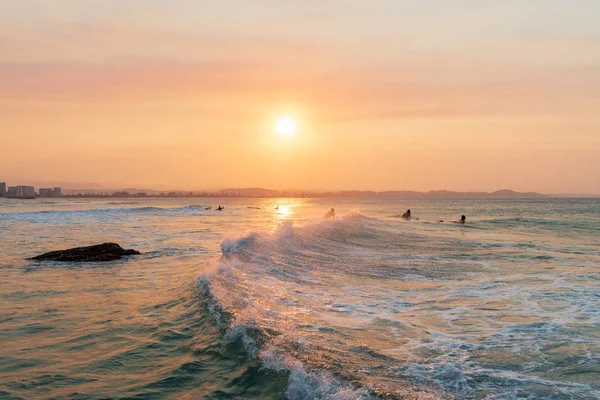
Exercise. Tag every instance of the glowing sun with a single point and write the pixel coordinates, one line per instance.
(285, 126)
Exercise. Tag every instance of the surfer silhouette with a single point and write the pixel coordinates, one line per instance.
(462, 220)
(330, 214)
(406, 215)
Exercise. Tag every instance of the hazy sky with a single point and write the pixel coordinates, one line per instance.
(387, 94)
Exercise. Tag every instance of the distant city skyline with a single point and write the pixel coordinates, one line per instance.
(265, 192)
(27, 191)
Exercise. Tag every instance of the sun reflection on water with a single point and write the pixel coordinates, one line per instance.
(284, 211)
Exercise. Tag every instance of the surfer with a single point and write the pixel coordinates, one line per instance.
(220, 208)
(462, 220)
(406, 215)
(207, 208)
(330, 214)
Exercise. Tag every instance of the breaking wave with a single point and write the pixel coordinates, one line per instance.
(359, 307)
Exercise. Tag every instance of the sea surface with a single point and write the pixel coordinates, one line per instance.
(268, 300)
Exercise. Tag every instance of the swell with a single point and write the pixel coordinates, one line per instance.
(175, 353)
(556, 224)
(105, 211)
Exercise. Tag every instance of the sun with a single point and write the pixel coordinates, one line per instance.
(285, 126)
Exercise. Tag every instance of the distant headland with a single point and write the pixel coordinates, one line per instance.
(29, 192)
(269, 193)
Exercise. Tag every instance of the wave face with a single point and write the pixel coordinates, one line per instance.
(359, 306)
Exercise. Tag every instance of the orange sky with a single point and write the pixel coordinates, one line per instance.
(460, 95)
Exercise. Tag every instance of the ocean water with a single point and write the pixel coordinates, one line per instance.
(256, 302)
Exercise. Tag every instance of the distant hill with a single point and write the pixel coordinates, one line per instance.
(268, 193)
(439, 194)
(249, 192)
(435, 194)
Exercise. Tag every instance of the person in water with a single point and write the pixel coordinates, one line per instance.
(330, 214)
(462, 220)
(406, 215)
(220, 208)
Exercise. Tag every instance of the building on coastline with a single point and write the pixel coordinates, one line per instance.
(21, 192)
(25, 191)
(50, 192)
(45, 192)
(2, 189)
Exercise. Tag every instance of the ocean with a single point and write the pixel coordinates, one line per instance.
(268, 300)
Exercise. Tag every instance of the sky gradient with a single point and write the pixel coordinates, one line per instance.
(387, 94)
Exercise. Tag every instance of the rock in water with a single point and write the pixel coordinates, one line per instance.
(98, 252)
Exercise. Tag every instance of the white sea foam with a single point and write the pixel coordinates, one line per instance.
(370, 301)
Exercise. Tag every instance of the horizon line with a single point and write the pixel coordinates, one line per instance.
(325, 191)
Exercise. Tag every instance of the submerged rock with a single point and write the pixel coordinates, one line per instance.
(98, 252)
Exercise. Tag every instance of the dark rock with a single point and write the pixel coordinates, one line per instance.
(98, 252)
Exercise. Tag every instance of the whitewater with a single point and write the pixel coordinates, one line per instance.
(266, 299)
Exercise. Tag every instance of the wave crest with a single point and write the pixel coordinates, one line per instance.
(107, 211)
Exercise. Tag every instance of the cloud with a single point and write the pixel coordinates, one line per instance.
(345, 95)
(100, 63)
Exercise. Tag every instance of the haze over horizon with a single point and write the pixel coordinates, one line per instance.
(95, 187)
(387, 95)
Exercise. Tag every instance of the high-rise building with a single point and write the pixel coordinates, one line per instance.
(45, 192)
(25, 191)
(2, 189)
(50, 192)
(12, 191)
